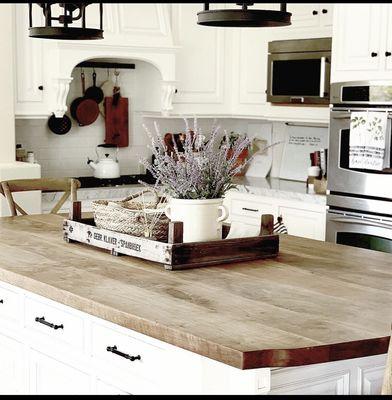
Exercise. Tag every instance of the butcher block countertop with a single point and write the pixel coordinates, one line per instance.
(316, 302)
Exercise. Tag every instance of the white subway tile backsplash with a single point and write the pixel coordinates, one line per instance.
(66, 155)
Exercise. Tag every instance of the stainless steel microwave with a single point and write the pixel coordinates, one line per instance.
(299, 71)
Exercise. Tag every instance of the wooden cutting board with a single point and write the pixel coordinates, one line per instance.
(116, 122)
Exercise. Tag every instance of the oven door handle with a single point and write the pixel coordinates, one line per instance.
(361, 222)
(322, 77)
(348, 116)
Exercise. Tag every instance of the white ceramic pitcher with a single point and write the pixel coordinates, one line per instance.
(202, 219)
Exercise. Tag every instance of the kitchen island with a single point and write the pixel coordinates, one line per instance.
(316, 319)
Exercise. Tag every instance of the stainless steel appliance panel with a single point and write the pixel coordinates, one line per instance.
(340, 177)
(299, 71)
(359, 230)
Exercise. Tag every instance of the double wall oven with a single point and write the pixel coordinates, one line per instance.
(359, 201)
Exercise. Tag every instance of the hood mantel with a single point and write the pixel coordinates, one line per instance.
(70, 54)
(132, 32)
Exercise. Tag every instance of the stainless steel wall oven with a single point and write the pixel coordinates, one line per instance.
(359, 201)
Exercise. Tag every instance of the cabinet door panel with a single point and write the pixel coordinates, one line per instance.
(333, 384)
(50, 376)
(11, 366)
(388, 46)
(371, 379)
(326, 14)
(305, 15)
(28, 57)
(308, 224)
(200, 62)
(106, 388)
(358, 30)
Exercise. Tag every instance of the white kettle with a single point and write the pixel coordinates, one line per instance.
(106, 166)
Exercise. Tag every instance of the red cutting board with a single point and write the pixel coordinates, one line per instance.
(116, 122)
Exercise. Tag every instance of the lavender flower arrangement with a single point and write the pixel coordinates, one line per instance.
(204, 170)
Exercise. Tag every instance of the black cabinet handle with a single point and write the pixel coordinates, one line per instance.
(1, 301)
(250, 209)
(373, 54)
(324, 10)
(53, 326)
(40, 87)
(121, 354)
(314, 12)
(388, 54)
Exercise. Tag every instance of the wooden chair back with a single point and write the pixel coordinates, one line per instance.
(67, 185)
(387, 385)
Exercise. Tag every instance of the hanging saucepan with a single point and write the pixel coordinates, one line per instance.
(94, 92)
(59, 126)
(77, 101)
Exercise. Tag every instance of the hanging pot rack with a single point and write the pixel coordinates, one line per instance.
(105, 64)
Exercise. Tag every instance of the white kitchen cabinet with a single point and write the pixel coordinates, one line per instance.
(32, 366)
(370, 379)
(11, 366)
(361, 38)
(201, 68)
(388, 44)
(310, 15)
(250, 209)
(301, 219)
(304, 223)
(30, 81)
(305, 15)
(102, 388)
(51, 376)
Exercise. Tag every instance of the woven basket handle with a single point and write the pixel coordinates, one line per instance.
(138, 194)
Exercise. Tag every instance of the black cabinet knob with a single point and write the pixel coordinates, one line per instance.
(373, 54)
(324, 10)
(314, 12)
(40, 87)
(388, 54)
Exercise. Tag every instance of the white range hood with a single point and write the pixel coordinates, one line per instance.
(131, 32)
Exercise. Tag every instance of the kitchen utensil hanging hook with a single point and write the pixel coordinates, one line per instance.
(116, 74)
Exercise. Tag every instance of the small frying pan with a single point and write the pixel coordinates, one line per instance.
(94, 92)
(59, 126)
(77, 101)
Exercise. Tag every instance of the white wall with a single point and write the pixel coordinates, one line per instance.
(7, 131)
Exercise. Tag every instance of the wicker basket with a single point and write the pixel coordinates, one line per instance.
(137, 218)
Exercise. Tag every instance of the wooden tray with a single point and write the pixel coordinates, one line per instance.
(175, 255)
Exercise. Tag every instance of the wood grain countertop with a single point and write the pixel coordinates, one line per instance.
(316, 302)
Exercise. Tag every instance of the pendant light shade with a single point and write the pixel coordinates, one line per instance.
(70, 13)
(243, 17)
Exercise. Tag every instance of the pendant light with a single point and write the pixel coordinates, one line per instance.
(69, 14)
(244, 17)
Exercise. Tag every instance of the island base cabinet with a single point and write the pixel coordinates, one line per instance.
(355, 376)
(11, 366)
(31, 363)
(51, 376)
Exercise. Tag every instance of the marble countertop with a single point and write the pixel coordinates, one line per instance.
(270, 187)
(279, 188)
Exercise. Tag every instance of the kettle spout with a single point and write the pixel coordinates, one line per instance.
(91, 164)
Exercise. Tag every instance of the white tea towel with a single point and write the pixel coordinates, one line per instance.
(240, 229)
(368, 139)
